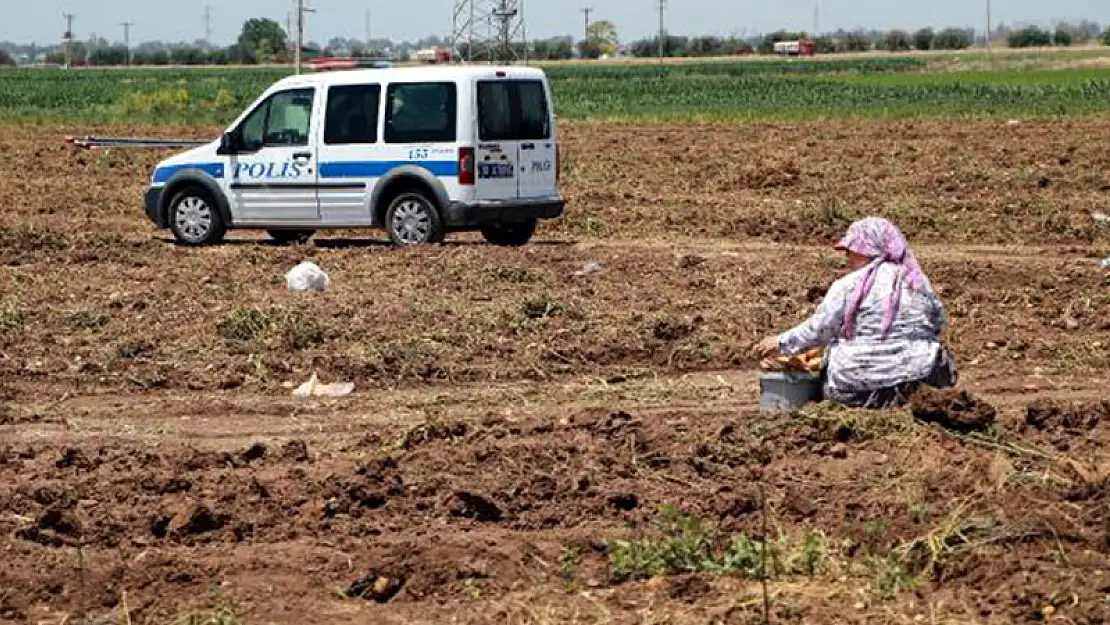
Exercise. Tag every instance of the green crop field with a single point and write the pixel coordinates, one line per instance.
(1035, 84)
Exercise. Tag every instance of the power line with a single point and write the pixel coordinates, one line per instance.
(127, 38)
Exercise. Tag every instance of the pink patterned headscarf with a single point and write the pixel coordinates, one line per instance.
(882, 242)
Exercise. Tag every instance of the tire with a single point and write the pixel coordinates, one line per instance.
(291, 236)
(195, 218)
(510, 234)
(413, 219)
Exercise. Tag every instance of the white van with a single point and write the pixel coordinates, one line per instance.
(417, 151)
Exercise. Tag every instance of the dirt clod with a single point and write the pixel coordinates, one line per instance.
(624, 501)
(816, 293)
(955, 410)
(376, 586)
(295, 450)
(477, 507)
(59, 520)
(194, 519)
(256, 451)
(73, 457)
(1046, 414)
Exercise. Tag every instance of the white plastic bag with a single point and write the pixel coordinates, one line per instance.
(307, 277)
(313, 388)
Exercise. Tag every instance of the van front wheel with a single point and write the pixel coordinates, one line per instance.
(510, 234)
(194, 217)
(412, 219)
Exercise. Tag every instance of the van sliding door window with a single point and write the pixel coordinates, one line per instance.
(420, 113)
(352, 116)
(513, 110)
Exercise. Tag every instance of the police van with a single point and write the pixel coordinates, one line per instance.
(420, 152)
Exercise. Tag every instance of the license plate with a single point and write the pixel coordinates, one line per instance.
(495, 170)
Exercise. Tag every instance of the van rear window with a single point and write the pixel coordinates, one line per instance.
(513, 110)
(420, 113)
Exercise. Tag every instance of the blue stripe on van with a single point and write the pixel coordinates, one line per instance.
(377, 169)
(162, 174)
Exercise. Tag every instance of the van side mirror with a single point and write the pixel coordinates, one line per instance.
(228, 144)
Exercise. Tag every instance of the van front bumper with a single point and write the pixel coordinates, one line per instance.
(461, 215)
(152, 201)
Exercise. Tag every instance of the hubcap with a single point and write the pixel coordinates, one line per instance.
(412, 222)
(193, 217)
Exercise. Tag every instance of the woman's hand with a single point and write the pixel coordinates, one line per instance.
(768, 347)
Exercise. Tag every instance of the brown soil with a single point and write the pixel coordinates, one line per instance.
(513, 414)
(953, 409)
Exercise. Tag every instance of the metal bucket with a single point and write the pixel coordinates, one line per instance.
(788, 391)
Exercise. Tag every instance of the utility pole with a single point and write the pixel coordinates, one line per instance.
(816, 20)
(988, 26)
(505, 14)
(367, 30)
(524, 31)
(208, 25)
(586, 30)
(68, 38)
(127, 38)
(662, 30)
(490, 30)
(301, 10)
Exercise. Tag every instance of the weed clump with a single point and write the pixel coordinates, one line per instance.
(88, 319)
(11, 316)
(297, 330)
(688, 545)
(245, 324)
(541, 308)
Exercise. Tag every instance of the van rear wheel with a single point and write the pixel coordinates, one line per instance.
(412, 219)
(510, 234)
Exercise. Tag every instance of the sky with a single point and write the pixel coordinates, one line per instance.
(41, 21)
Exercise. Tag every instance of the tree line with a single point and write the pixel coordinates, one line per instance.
(264, 41)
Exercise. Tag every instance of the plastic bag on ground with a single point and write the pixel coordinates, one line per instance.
(307, 277)
(313, 388)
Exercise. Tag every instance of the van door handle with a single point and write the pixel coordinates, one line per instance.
(302, 156)
(528, 146)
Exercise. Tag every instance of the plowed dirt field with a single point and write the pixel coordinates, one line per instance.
(519, 412)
